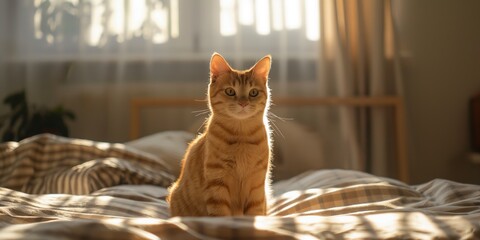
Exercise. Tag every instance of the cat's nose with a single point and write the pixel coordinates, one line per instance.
(243, 104)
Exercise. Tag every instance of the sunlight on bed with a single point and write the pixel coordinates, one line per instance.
(133, 221)
(314, 224)
(291, 195)
(149, 210)
(415, 223)
(279, 227)
(99, 145)
(421, 222)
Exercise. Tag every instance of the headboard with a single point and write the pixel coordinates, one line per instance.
(394, 102)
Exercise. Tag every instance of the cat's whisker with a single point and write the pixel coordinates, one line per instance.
(272, 117)
(201, 112)
(275, 128)
(203, 124)
(283, 119)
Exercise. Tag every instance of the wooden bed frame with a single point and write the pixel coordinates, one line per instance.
(138, 104)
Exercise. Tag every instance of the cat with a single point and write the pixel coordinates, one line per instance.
(226, 169)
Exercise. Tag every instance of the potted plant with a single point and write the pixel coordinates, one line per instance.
(24, 121)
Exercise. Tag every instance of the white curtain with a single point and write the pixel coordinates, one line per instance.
(94, 56)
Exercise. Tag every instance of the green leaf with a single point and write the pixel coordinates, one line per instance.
(70, 115)
(25, 121)
(15, 99)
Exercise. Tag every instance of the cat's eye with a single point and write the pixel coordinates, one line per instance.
(230, 91)
(253, 93)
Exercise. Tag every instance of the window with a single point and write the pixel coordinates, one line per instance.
(100, 33)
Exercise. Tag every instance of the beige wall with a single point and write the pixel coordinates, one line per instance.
(440, 51)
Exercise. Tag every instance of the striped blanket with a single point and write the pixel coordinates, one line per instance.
(52, 164)
(60, 188)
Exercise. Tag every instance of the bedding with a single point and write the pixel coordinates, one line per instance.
(61, 188)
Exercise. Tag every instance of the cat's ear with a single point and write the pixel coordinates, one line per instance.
(218, 65)
(262, 68)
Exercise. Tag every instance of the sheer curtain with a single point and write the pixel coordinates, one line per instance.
(358, 53)
(93, 56)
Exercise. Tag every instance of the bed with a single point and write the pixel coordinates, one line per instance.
(53, 187)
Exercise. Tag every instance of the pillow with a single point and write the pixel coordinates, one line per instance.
(296, 150)
(169, 146)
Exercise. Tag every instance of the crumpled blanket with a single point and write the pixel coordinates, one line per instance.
(128, 201)
(51, 164)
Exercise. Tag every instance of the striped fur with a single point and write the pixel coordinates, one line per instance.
(225, 171)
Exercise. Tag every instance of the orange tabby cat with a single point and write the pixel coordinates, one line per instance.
(226, 170)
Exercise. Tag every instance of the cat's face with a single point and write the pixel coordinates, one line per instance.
(238, 94)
